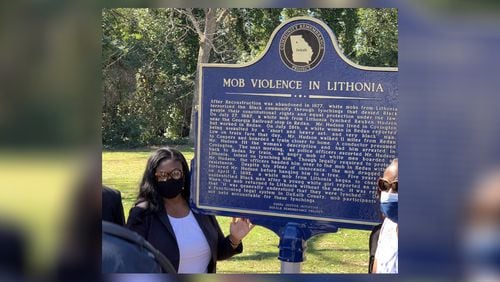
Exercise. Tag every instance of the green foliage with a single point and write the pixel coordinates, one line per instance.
(289, 13)
(149, 64)
(377, 37)
(149, 60)
(244, 33)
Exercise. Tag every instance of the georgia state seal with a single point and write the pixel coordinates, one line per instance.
(302, 47)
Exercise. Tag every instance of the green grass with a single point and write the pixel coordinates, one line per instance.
(343, 252)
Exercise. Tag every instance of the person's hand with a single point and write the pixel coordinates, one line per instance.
(239, 229)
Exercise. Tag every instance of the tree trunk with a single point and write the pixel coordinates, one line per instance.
(206, 45)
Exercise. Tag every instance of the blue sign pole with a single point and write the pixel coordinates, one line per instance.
(292, 248)
(296, 140)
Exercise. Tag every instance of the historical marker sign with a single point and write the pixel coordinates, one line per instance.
(300, 133)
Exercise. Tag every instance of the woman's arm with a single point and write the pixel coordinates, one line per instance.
(225, 249)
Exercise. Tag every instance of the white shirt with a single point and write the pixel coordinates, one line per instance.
(194, 250)
(386, 255)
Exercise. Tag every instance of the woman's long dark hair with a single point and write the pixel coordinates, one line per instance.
(147, 189)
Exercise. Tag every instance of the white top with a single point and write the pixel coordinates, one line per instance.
(194, 250)
(386, 255)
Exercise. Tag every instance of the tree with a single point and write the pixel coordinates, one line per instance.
(148, 71)
(217, 36)
(377, 37)
(150, 59)
(205, 24)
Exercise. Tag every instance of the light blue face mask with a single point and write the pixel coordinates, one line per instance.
(389, 205)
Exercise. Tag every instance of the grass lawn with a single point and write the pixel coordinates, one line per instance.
(343, 252)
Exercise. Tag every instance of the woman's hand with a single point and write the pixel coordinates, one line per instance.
(239, 229)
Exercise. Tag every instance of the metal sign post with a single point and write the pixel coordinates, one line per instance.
(292, 248)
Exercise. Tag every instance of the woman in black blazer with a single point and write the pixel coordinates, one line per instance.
(192, 242)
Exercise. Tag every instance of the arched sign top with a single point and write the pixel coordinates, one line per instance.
(302, 45)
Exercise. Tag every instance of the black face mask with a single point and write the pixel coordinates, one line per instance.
(171, 188)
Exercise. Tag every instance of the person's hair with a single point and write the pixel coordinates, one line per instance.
(147, 189)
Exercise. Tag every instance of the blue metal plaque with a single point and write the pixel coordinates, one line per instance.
(299, 135)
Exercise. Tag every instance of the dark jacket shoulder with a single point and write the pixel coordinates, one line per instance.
(139, 219)
(112, 208)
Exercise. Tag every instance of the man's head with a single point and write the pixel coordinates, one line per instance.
(387, 191)
(389, 181)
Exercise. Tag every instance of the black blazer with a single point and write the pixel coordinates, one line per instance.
(155, 227)
(112, 208)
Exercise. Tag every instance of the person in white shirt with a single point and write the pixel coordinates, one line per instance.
(192, 242)
(386, 255)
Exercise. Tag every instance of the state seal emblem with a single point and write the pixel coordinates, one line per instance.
(302, 47)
